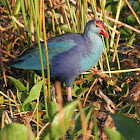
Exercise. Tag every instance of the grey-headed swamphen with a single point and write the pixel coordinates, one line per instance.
(69, 54)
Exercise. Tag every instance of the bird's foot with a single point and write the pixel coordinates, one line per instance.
(69, 99)
(53, 94)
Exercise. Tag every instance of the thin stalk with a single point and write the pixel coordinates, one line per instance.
(95, 128)
(100, 65)
(106, 47)
(95, 12)
(78, 17)
(106, 39)
(28, 38)
(53, 25)
(94, 8)
(46, 50)
(67, 20)
(120, 71)
(55, 17)
(116, 71)
(30, 21)
(82, 23)
(25, 21)
(84, 9)
(41, 60)
(118, 62)
(68, 4)
(9, 9)
(117, 57)
(81, 17)
(41, 17)
(27, 85)
(37, 116)
(107, 60)
(117, 18)
(107, 43)
(75, 19)
(37, 10)
(83, 122)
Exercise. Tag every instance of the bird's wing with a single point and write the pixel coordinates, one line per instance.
(30, 58)
(60, 44)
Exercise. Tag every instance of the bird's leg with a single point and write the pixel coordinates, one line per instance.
(53, 94)
(69, 96)
(53, 89)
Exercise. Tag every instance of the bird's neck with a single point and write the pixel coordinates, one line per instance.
(93, 52)
(93, 40)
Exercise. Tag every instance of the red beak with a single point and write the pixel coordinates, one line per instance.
(103, 31)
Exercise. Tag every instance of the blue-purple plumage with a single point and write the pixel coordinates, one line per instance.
(69, 54)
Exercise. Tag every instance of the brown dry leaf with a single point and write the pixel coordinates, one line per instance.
(134, 94)
(137, 106)
(108, 124)
(110, 105)
(134, 97)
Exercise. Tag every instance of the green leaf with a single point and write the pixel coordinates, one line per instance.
(77, 125)
(131, 19)
(16, 131)
(17, 84)
(95, 128)
(125, 88)
(131, 40)
(65, 28)
(2, 2)
(52, 110)
(1, 100)
(22, 96)
(17, 7)
(114, 134)
(127, 126)
(47, 137)
(125, 31)
(34, 92)
(57, 131)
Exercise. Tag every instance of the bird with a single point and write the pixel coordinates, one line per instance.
(69, 54)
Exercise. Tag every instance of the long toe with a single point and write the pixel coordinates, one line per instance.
(69, 97)
(53, 94)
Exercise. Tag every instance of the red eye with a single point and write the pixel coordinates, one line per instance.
(97, 25)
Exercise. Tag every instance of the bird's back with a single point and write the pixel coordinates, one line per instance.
(64, 52)
(69, 55)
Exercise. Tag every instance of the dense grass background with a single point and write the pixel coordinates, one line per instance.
(112, 86)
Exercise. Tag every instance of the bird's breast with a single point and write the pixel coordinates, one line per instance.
(95, 50)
